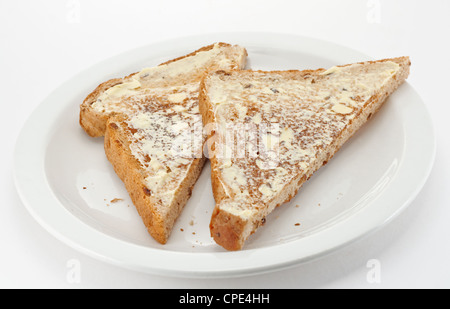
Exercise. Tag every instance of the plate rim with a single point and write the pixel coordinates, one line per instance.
(233, 261)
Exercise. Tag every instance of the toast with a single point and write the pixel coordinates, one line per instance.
(270, 131)
(121, 95)
(153, 131)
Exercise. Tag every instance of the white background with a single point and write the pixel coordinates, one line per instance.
(44, 43)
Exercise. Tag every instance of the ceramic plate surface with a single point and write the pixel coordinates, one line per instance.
(67, 184)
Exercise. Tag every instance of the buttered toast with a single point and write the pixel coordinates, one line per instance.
(124, 95)
(153, 131)
(270, 131)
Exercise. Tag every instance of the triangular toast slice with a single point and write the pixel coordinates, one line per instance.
(270, 131)
(153, 131)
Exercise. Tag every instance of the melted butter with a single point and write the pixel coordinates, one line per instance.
(257, 118)
(341, 109)
(177, 97)
(122, 90)
(331, 70)
(287, 135)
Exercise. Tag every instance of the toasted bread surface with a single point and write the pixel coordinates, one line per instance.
(273, 130)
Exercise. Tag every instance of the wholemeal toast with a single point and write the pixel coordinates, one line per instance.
(124, 95)
(270, 131)
(153, 131)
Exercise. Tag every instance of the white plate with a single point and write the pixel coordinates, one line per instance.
(67, 184)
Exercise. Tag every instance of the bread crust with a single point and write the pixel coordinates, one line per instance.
(227, 229)
(231, 231)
